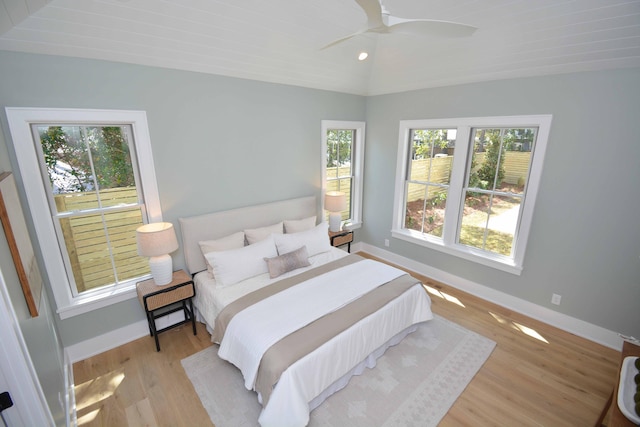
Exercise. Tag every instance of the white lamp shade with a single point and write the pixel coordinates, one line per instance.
(335, 201)
(157, 241)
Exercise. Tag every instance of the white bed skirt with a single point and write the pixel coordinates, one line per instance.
(369, 362)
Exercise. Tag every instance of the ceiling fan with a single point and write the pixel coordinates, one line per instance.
(381, 21)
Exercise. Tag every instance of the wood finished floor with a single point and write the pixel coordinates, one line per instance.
(536, 376)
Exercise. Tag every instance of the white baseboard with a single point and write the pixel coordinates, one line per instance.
(70, 394)
(118, 337)
(561, 321)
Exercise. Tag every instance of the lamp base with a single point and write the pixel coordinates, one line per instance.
(161, 269)
(335, 218)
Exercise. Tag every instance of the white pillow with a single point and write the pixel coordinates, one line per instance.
(233, 241)
(316, 240)
(254, 235)
(298, 225)
(287, 262)
(235, 265)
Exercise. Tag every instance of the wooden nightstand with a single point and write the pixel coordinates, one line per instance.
(156, 301)
(340, 238)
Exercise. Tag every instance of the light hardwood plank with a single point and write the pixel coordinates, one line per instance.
(564, 380)
(141, 415)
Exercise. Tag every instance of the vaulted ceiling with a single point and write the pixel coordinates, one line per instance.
(281, 41)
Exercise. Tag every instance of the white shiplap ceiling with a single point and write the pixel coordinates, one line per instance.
(280, 40)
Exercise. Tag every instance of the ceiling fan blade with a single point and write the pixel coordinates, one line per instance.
(374, 12)
(430, 27)
(343, 39)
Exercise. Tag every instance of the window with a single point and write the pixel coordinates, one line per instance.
(342, 164)
(90, 183)
(467, 186)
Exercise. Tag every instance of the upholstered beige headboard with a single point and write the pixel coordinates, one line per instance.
(220, 224)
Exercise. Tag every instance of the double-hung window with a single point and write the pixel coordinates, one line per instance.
(467, 186)
(342, 164)
(90, 184)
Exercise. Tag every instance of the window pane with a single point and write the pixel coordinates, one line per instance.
(91, 249)
(111, 159)
(66, 158)
(510, 150)
(414, 210)
(339, 163)
(96, 201)
(332, 153)
(344, 186)
(429, 175)
(121, 230)
(490, 222)
(519, 144)
(339, 152)
(87, 160)
(426, 217)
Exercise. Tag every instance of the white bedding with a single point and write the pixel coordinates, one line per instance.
(246, 341)
(211, 299)
(313, 378)
(310, 380)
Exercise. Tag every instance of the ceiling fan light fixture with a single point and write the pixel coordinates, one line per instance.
(362, 56)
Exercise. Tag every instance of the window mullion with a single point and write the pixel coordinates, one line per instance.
(455, 198)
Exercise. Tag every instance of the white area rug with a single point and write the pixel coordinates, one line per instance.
(413, 384)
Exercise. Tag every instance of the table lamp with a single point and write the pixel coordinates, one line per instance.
(156, 241)
(335, 202)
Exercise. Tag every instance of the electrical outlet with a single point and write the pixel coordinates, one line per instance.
(555, 299)
(386, 242)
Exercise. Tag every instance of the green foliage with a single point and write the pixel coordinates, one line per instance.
(439, 199)
(339, 144)
(111, 158)
(426, 141)
(518, 139)
(72, 145)
(494, 161)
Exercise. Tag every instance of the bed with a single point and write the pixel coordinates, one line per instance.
(295, 315)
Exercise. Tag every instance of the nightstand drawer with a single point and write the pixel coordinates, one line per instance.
(165, 298)
(342, 239)
(339, 238)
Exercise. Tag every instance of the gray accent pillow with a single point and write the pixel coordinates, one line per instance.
(290, 261)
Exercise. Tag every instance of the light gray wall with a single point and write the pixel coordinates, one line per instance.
(220, 143)
(585, 239)
(217, 142)
(40, 333)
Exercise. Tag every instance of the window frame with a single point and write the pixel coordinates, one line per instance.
(455, 198)
(20, 125)
(356, 169)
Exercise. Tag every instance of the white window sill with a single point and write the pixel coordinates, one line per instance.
(88, 303)
(354, 225)
(494, 261)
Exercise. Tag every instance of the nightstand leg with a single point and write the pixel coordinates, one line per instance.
(193, 317)
(154, 333)
(149, 322)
